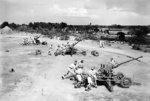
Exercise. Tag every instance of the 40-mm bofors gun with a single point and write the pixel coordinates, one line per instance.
(106, 75)
(69, 50)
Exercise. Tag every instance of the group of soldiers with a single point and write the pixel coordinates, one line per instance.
(59, 48)
(77, 70)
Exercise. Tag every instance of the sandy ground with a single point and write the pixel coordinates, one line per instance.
(38, 78)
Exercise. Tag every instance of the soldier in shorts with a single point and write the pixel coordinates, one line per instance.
(92, 77)
(71, 70)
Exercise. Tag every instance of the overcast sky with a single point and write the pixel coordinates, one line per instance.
(102, 12)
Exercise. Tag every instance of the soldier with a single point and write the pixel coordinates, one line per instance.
(92, 77)
(80, 64)
(71, 70)
(108, 69)
(50, 49)
(112, 63)
(79, 72)
(58, 48)
(101, 44)
(63, 47)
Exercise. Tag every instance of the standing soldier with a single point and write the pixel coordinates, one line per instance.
(101, 44)
(112, 63)
(108, 70)
(50, 50)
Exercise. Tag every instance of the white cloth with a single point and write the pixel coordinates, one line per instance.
(79, 71)
(79, 78)
(92, 72)
(90, 81)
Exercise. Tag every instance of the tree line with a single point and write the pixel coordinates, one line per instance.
(51, 29)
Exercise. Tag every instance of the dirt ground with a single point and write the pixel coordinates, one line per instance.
(38, 78)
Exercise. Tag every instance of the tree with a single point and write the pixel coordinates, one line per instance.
(63, 25)
(13, 25)
(30, 24)
(121, 36)
(4, 24)
(139, 34)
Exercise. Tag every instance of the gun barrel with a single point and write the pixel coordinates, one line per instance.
(128, 61)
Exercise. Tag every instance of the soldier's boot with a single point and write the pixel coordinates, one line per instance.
(65, 75)
(88, 88)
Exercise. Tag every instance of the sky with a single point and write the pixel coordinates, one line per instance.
(82, 12)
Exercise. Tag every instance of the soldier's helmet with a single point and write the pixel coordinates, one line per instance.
(111, 58)
(93, 67)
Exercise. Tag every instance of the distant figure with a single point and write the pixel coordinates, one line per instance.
(68, 45)
(50, 50)
(58, 48)
(101, 44)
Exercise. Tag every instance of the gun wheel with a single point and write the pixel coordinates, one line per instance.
(125, 82)
(94, 53)
(119, 76)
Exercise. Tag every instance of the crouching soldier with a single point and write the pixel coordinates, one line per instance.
(92, 78)
(71, 71)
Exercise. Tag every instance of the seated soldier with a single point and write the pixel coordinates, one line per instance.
(79, 72)
(80, 64)
(71, 70)
(92, 78)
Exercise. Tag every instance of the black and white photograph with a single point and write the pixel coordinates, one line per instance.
(74, 50)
